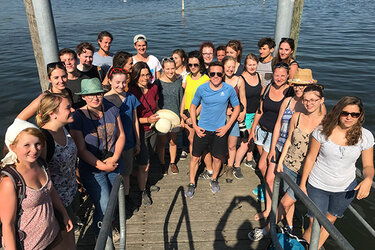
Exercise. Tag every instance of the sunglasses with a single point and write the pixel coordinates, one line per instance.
(352, 114)
(116, 71)
(219, 74)
(287, 39)
(193, 65)
(54, 64)
(167, 59)
(281, 65)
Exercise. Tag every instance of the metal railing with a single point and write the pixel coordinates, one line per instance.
(319, 217)
(105, 240)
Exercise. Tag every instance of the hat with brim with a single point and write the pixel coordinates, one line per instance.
(168, 121)
(303, 76)
(91, 86)
(139, 37)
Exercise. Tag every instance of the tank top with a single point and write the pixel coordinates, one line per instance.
(288, 113)
(265, 69)
(297, 151)
(270, 112)
(252, 96)
(191, 87)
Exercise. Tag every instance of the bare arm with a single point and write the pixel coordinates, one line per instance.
(242, 91)
(258, 115)
(364, 186)
(59, 206)
(8, 210)
(136, 131)
(120, 143)
(193, 117)
(293, 70)
(309, 162)
(223, 130)
(31, 109)
(157, 74)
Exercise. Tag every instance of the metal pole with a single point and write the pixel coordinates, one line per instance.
(122, 215)
(315, 235)
(363, 221)
(283, 20)
(273, 222)
(296, 23)
(43, 36)
(183, 5)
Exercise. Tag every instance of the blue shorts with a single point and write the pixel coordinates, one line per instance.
(334, 203)
(234, 130)
(249, 119)
(295, 177)
(263, 138)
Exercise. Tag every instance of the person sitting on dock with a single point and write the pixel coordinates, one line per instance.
(85, 51)
(211, 131)
(103, 58)
(266, 47)
(140, 44)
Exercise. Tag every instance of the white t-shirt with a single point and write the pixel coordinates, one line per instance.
(105, 62)
(334, 169)
(154, 65)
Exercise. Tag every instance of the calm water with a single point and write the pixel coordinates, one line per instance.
(336, 42)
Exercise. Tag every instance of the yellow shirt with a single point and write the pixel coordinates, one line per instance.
(191, 87)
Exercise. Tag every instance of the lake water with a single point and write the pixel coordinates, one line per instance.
(336, 42)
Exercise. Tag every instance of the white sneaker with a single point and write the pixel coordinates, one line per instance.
(256, 234)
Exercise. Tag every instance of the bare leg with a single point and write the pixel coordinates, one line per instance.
(193, 168)
(323, 233)
(142, 175)
(172, 146)
(190, 134)
(263, 169)
(208, 161)
(270, 177)
(286, 206)
(232, 143)
(307, 234)
(241, 151)
(216, 167)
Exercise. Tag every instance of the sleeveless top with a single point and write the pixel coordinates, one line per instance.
(297, 151)
(265, 69)
(252, 96)
(191, 87)
(284, 130)
(270, 113)
(38, 220)
(62, 168)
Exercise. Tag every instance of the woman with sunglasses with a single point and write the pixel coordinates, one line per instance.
(194, 79)
(147, 95)
(170, 96)
(302, 124)
(272, 97)
(99, 135)
(237, 82)
(285, 54)
(35, 226)
(329, 172)
(180, 58)
(127, 103)
(234, 49)
(58, 78)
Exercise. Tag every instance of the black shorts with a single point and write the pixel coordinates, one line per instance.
(217, 146)
(148, 146)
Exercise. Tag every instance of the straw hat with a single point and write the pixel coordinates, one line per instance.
(168, 121)
(91, 86)
(303, 76)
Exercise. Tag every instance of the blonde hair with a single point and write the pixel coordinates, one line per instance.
(49, 104)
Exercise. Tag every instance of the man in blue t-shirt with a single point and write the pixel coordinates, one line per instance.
(211, 130)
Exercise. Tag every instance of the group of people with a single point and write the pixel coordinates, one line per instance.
(105, 115)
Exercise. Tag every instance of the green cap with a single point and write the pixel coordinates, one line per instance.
(90, 86)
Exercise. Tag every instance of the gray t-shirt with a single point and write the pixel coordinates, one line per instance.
(170, 95)
(105, 62)
(334, 169)
(265, 69)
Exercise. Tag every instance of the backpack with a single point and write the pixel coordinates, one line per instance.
(50, 144)
(289, 241)
(20, 187)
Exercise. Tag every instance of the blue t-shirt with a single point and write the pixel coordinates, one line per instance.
(90, 134)
(126, 113)
(214, 105)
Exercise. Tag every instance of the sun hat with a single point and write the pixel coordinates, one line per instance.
(91, 86)
(303, 76)
(13, 130)
(168, 121)
(140, 37)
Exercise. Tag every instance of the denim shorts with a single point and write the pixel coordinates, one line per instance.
(263, 138)
(334, 203)
(249, 119)
(234, 130)
(295, 177)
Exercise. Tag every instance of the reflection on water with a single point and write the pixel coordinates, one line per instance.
(335, 42)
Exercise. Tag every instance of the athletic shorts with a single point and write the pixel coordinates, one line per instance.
(216, 145)
(249, 119)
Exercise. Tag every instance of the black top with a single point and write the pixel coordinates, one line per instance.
(252, 95)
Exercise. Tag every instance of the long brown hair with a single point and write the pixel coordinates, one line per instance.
(332, 119)
(49, 104)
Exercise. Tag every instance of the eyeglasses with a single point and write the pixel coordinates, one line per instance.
(145, 75)
(312, 101)
(91, 97)
(287, 39)
(299, 85)
(219, 74)
(191, 65)
(167, 59)
(281, 65)
(352, 114)
(116, 71)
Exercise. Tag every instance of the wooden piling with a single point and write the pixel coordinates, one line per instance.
(296, 23)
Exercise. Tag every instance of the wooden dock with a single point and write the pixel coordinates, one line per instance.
(207, 221)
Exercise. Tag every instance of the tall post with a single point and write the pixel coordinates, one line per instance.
(43, 36)
(283, 20)
(296, 23)
(183, 5)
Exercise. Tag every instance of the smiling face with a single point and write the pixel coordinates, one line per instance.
(169, 69)
(208, 55)
(220, 54)
(285, 51)
(105, 43)
(265, 51)
(85, 58)
(347, 121)
(193, 64)
(251, 66)
(58, 79)
(129, 65)
(141, 47)
(65, 112)
(93, 101)
(118, 82)
(177, 59)
(231, 52)
(27, 147)
(144, 77)
(229, 67)
(298, 90)
(70, 62)
(280, 76)
(312, 101)
(215, 79)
